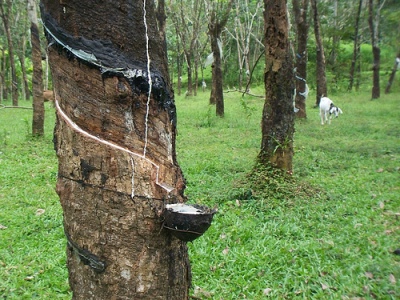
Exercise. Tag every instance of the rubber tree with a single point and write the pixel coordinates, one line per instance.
(115, 143)
(6, 14)
(300, 8)
(218, 13)
(356, 47)
(374, 12)
(322, 89)
(277, 123)
(393, 73)
(37, 77)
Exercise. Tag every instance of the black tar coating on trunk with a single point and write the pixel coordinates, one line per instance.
(86, 257)
(111, 62)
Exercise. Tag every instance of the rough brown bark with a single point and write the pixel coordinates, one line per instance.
(116, 150)
(37, 77)
(376, 51)
(300, 9)
(5, 12)
(356, 48)
(25, 86)
(278, 116)
(391, 78)
(215, 26)
(322, 90)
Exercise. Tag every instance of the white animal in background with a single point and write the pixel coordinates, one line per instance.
(327, 109)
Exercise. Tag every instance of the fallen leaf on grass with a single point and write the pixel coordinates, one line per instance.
(29, 278)
(266, 291)
(199, 292)
(3, 227)
(225, 251)
(392, 279)
(369, 275)
(324, 286)
(40, 211)
(380, 170)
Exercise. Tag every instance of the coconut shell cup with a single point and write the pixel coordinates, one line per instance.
(187, 222)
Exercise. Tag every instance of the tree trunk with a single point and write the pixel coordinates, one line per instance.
(5, 15)
(300, 12)
(179, 66)
(37, 77)
(21, 56)
(376, 51)
(115, 142)
(217, 95)
(2, 75)
(391, 78)
(215, 26)
(278, 116)
(188, 56)
(356, 48)
(322, 90)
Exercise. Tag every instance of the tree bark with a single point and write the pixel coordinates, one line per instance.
(322, 90)
(3, 90)
(215, 26)
(300, 12)
(115, 142)
(5, 15)
(356, 48)
(376, 51)
(21, 57)
(278, 116)
(391, 78)
(37, 77)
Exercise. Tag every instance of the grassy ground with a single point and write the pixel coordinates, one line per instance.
(332, 240)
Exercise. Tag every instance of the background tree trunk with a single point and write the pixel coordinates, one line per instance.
(5, 11)
(218, 19)
(391, 78)
(322, 90)
(37, 77)
(356, 48)
(115, 142)
(376, 51)
(278, 117)
(300, 9)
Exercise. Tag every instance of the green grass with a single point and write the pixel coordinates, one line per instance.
(332, 239)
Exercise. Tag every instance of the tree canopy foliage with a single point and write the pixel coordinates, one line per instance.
(189, 46)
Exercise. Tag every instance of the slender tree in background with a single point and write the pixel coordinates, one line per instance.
(115, 142)
(3, 89)
(373, 22)
(391, 78)
(37, 78)
(218, 17)
(5, 13)
(188, 22)
(356, 47)
(321, 64)
(300, 8)
(20, 39)
(244, 34)
(278, 116)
